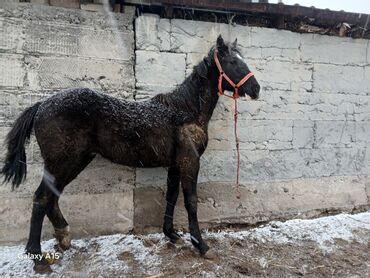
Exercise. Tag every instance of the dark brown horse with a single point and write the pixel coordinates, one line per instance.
(169, 130)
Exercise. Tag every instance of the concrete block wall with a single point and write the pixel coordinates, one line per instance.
(44, 49)
(304, 144)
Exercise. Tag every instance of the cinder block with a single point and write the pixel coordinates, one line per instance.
(335, 134)
(73, 4)
(283, 75)
(11, 35)
(198, 37)
(190, 36)
(349, 79)
(266, 134)
(92, 7)
(266, 37)
(12, 72)
(363, 133)
(152, 33)
(353, 160)
(253, 134)
(48, 39)
(303, 134)
(72, 41)
(335, 50)
(42, 2)
(284, 54)
(154, 69)
(67, 72)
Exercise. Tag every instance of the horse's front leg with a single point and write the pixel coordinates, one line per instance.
(173, 183)
(189, 175)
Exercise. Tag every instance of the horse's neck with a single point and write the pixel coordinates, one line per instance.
(208, 102)
(208, 97)
(200, 93)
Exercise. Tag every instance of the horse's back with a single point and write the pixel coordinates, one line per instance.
(79, 121)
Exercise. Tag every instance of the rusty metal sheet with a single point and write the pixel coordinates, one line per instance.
(324, 16)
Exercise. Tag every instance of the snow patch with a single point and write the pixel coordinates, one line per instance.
(322, 230)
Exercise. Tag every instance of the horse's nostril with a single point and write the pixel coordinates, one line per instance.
(256, 90)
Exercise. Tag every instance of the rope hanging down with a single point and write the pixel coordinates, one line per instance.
(235, 96)
(238, 192)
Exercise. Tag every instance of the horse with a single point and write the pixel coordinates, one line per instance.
(169, 130)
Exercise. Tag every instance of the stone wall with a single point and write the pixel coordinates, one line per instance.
(303, 144)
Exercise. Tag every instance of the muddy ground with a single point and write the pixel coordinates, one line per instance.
(251, 258)
(326, 247)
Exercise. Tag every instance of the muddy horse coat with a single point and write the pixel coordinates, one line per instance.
(169, 130)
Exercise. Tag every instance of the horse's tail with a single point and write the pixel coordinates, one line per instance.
(15, 168)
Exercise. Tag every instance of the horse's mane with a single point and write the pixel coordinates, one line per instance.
(186, 98)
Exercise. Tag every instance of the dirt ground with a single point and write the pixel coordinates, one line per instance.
(256, 259)
(335, 246)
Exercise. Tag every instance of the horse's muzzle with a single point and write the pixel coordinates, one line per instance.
(255, 91)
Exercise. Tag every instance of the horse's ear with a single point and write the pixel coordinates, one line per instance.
(235, 43)
(221, 46)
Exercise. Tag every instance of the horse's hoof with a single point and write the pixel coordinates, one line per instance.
(42, 268)
(64, 245)
(211, 254)
(175, 238)
(64, 238)
(177, 241)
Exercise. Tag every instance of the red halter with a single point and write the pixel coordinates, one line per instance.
(224, 75)
(234, 97)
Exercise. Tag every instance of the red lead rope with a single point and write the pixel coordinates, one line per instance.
(238, 193)
(235, 96)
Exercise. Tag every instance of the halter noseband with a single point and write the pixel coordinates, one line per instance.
(224, 75)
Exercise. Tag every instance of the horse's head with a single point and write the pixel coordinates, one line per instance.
(234, 68)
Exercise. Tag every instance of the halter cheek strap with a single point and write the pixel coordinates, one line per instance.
(227, 78)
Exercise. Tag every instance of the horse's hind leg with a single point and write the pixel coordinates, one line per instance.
(61, 227)
(173, 183)
(41, 204)
(46, 203)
